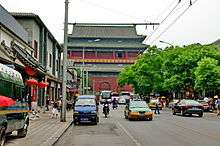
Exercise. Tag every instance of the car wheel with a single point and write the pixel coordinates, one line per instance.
(150, 119)
(23, 132)
(201, 114)
(3, 136)
(182, 113)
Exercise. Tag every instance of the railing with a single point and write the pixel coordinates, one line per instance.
(104, 60)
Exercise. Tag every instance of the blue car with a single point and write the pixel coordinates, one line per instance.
(85, 111)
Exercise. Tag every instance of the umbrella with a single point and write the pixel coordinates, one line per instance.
(32, 82)
(6, 101)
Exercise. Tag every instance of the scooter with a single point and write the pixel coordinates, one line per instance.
(106, 110)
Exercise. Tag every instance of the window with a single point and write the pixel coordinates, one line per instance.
(119, 54)
(50, 60)
(35, 48)
(57, 64)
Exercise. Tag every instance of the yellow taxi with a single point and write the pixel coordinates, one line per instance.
(152, 104)
(138, 110)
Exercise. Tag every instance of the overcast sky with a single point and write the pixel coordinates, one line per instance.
(200, 23)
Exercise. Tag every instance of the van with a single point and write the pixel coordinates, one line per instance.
(105, 96)
(14, 117)
(85, 111)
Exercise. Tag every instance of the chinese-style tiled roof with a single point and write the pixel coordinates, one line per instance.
(11, 24)
(104, 31)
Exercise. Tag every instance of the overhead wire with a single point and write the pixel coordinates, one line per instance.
(172, 10)
(164, 10)
(175, 20)
(112, 10)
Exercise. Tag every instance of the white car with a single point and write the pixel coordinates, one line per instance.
(122, 99)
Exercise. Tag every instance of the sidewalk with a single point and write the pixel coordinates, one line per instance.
(42, 131)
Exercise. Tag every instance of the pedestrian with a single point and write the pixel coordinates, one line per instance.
(55, 110)
(157, 109)
(218, 106)
(47, 103)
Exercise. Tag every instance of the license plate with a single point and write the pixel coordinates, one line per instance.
(194, 108)
(142, 115)
(84, 119)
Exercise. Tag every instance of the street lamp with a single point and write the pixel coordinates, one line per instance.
(166, 43)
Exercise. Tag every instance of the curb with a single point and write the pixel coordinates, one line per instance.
(58, 138)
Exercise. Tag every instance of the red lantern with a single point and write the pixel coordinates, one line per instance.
(30, 71)
(31, 82)
(42, 84)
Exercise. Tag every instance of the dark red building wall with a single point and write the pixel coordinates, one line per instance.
(100, 83)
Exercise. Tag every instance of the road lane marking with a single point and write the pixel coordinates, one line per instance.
(129, 134)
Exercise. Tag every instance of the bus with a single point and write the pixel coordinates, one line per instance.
(14, 117)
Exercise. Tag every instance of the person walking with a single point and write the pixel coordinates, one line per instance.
(218, 106)
(55, 110)
(157, 109)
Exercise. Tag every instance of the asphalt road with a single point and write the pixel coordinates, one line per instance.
(165, 130)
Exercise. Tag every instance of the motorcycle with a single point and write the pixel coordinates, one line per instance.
(106, 110)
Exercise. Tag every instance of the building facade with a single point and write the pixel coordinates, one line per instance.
(17, 53)
(46, 50)
(101, 51)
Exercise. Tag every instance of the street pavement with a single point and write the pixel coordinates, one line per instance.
(165, 130)
(42, 131)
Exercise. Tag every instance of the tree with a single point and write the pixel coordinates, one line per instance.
(207, 74)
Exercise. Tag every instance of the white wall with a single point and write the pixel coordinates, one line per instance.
(49, 51)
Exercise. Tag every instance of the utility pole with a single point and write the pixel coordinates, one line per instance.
(83, 73)
(63, 112)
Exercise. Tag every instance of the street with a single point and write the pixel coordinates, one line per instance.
(165, 130)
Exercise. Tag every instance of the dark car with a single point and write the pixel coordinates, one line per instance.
(85, 111)
(189, 107)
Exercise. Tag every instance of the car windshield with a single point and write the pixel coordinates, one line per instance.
(106, 94)
(85, 102)
(202, 101)
(138, 104)
(191, 102)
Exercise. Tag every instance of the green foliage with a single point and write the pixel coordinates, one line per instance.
(207, 74)
(174, 69)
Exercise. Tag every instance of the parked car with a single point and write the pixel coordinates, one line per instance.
(152, 104)
(205, 105)
(14, 107)
(189, 107)
(85, 111)
(137, 109)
